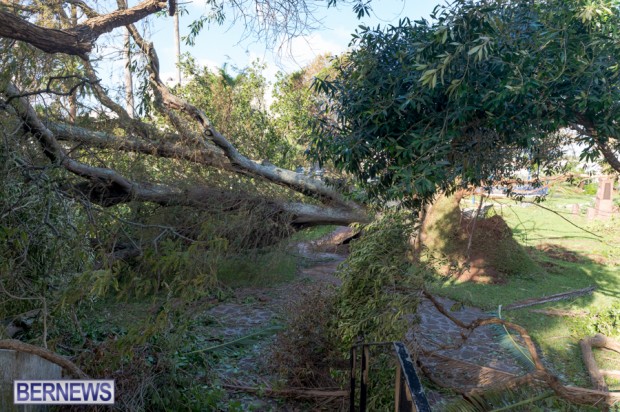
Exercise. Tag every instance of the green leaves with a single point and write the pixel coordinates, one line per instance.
(429, 78)
(463, 99)
(480, 51)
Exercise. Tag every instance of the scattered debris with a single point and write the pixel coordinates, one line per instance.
(551, 298)
(559, 253)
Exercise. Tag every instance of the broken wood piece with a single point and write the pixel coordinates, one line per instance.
(551, 298)
(601, 341)
(18, 346)
(597, 378)
(562, 312)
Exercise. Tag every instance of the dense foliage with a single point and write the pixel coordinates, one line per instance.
(380, 288)
(476, 93)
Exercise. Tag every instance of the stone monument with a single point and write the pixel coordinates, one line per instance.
(604, 204)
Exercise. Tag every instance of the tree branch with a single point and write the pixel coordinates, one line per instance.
(108, 187)
(570, 393)
(301, 183)
(610, 156)
(48, 87)
(19, 346)
(78, 40)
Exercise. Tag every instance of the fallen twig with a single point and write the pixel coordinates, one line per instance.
(290, 393)
(551, 298)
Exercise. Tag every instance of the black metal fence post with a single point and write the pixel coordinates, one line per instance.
(353, 355)
(409, 394)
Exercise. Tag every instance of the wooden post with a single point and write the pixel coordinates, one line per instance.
(364, 378)
(353, 355)
(397, 388)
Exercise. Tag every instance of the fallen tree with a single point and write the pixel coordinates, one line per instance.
(194, 139)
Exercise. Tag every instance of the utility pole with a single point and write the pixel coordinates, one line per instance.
(122, 4)
(177, 43)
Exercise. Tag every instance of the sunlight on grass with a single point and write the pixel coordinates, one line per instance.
(575, 254)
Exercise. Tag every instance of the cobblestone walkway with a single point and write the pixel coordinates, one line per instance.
(256, 310)
(479, 362)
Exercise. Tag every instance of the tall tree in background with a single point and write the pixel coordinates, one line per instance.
(177, 45)
(122, 4)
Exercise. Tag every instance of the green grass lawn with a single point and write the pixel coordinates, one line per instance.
(594, 248)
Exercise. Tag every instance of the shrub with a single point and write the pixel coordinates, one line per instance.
(305, 350)
(380, 290)
(590, 189)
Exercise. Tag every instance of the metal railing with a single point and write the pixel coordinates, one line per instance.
(409, 394)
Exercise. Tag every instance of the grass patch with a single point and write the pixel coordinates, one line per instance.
(312, 233)
(258, 269)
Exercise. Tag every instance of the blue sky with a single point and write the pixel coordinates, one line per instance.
(217, 45)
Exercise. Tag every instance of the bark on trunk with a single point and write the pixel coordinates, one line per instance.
(609, 155)
(79, 40)
(108, 187)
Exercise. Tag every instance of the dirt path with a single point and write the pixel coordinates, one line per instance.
(260, 311)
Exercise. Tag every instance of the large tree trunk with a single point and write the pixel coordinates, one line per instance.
(107, 187)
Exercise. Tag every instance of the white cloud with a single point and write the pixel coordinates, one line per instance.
(210, 64)
(302, 50)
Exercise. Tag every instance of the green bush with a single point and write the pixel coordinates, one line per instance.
(590, 189)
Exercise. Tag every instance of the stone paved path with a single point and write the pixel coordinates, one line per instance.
(254, 309)
(483, 359)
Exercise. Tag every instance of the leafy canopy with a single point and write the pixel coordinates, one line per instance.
(481, 90)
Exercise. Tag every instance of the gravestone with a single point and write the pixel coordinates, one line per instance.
(604, 204)
(16, 365)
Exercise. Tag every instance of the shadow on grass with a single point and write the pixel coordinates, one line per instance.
(568, 270)
(557, 336)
